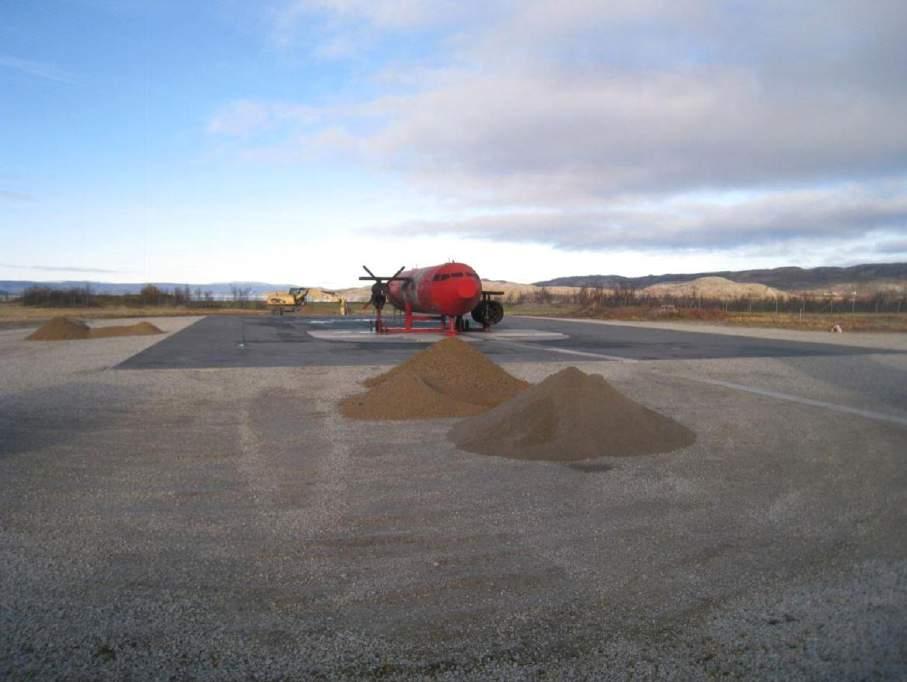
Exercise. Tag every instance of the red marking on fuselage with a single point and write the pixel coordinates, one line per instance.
(450, 289)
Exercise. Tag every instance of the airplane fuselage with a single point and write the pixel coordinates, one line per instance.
(450, 289)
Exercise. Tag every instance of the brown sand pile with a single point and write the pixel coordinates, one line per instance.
(570, 416)
(448, 379)
(66, 329)
(138, 329)
(61, 329)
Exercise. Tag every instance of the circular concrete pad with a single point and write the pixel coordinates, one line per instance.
(366, 336)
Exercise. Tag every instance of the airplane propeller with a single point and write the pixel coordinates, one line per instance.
(380, 287)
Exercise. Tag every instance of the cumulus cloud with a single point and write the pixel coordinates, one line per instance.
(587, 124)
(831, 214)
(589, 99)
(550, 137)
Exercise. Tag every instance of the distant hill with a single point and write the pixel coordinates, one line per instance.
(714, 288)
(865, 279)
(787, 279)
(514, 291)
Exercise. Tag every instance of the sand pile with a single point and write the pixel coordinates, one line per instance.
(66, 329)
(137, 329)
(570, 416)
(448, 379)
(61, 329)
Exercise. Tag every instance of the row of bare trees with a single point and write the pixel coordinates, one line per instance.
(149, 295)
(60, 298)
(596, 298)
(185, 296)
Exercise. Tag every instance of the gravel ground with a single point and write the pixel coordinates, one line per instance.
(229, 524)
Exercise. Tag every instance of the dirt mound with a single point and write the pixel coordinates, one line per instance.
(66, 329)
(61, 329)
(448, 379)
(138, 329)
(406, 396)
(570, 416)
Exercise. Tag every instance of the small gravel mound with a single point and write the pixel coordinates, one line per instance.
(448, 379)
(67, 329)
(570, 416)
(61, 329)
(138, 329)
(407, 396)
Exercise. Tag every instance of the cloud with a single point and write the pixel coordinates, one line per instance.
(245, 117)
(338, 47)
(588, 99)
(345, 29)
(892, 246)
(834, 214)
(587, 124)
(382, 14)
(36, 69)
(58, 268)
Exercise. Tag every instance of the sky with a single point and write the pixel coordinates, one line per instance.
(295, 140)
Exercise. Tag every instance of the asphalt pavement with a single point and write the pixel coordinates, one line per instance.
(285, 341)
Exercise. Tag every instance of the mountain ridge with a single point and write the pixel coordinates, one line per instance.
(789, 278)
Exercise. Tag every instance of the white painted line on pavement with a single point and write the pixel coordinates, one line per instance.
(564, 351)
(526, 334)
(869, 414)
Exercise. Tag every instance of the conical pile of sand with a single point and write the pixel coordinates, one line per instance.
(66, 329)
(448, 379)
(61, 329)
(570, 416)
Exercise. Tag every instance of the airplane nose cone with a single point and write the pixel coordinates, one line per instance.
(467, 289)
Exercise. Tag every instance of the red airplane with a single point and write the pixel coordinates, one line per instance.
(445, 292)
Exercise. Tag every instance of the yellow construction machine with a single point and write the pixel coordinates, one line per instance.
(290, 302)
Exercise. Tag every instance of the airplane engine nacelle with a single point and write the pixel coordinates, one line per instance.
(488, 312)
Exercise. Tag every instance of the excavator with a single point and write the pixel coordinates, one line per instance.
(291, 302)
